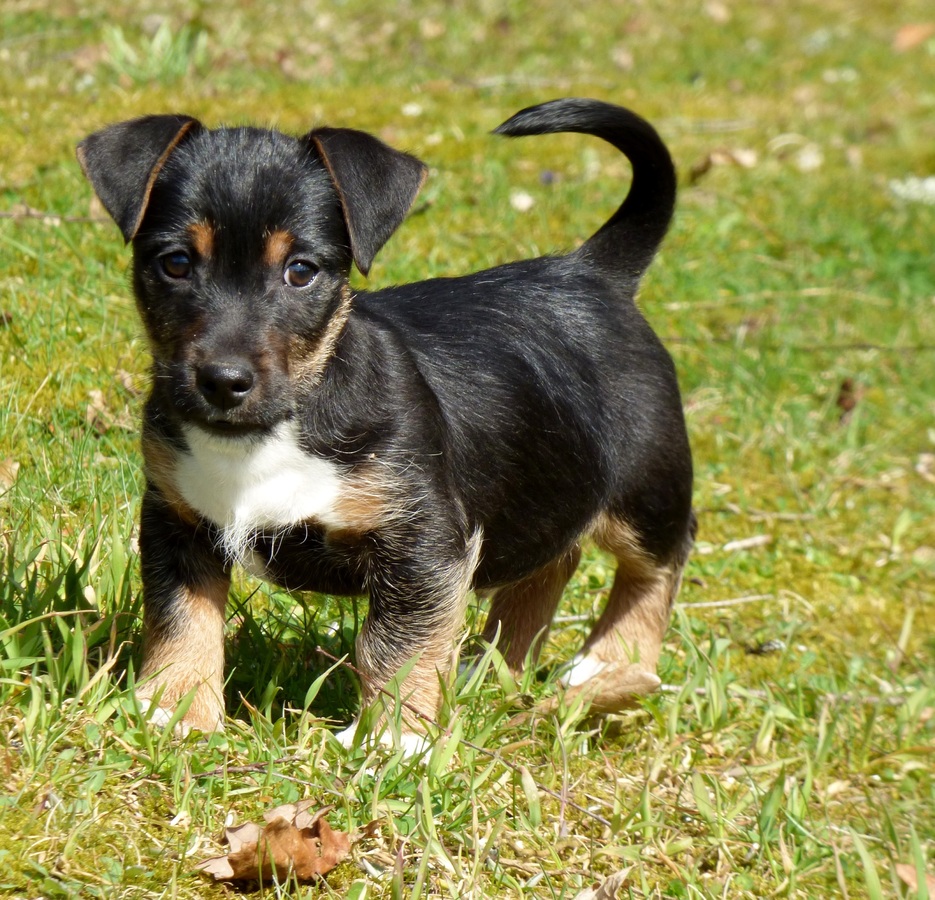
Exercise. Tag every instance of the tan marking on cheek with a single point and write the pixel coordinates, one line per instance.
(307, 360)
(159, 463)
(189, 655)
(277, 247)
(202, 236)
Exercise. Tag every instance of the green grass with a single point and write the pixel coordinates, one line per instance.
(808, 771)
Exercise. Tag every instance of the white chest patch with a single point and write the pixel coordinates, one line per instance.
(245, 487)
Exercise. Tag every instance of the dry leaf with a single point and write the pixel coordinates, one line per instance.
(724, 156)
(849, 395)
(101, 418)
(908, 875)
(431, 29)
(622, 58)
(130, 383)
(913, 35)
(9, 468)
(293, 842)
(87, 58)
(607, 889)
(925, 466)
(96, 412)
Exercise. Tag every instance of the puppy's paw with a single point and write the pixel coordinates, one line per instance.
(412, 744)
(582, 669)
(345, 736)
(161, 717)
(200, 716)
(606, 686)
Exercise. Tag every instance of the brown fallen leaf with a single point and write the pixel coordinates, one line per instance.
(849, 395)
(717, 11)
(132, 384)
(293, 842)
(925, 466)
(607, 889)
(87, 58)
(909, 876)
(724, 156)
(9, 469)
(102, 418)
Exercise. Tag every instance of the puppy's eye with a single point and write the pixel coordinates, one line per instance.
(177, 265)
(300, 273)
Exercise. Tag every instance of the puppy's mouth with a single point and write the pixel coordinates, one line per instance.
(226, 428)
(237, 424)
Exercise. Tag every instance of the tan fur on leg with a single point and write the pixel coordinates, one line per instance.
(619, 658)
(523, 611)
(190, 654)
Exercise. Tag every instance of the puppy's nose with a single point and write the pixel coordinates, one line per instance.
(225, 384)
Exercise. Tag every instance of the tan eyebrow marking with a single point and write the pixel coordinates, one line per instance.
(202, 235)
(278, 245)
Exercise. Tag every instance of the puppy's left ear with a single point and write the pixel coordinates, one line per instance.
(376, 184)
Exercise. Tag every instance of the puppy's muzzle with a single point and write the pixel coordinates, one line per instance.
(225, 385)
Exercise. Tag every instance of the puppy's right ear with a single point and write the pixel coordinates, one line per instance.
(122, 162)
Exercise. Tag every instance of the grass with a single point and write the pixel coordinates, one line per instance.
(791, 753)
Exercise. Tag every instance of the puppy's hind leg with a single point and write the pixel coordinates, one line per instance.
(619, 658)
(522, 612)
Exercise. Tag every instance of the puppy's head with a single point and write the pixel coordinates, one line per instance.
(242, 244)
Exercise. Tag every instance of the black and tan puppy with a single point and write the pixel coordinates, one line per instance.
(410, 444)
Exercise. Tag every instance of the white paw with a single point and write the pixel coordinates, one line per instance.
(582, 669)
(161, 717)
(414, 745)
(346, 735)
(410, 743)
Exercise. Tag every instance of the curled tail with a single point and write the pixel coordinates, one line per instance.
(626, 243)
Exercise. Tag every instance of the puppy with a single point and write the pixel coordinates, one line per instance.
(410, 444)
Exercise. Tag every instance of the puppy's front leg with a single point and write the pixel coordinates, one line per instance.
(417, 608)
(185, 587)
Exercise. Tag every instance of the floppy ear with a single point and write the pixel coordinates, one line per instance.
(123, 160)
(376, 185)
